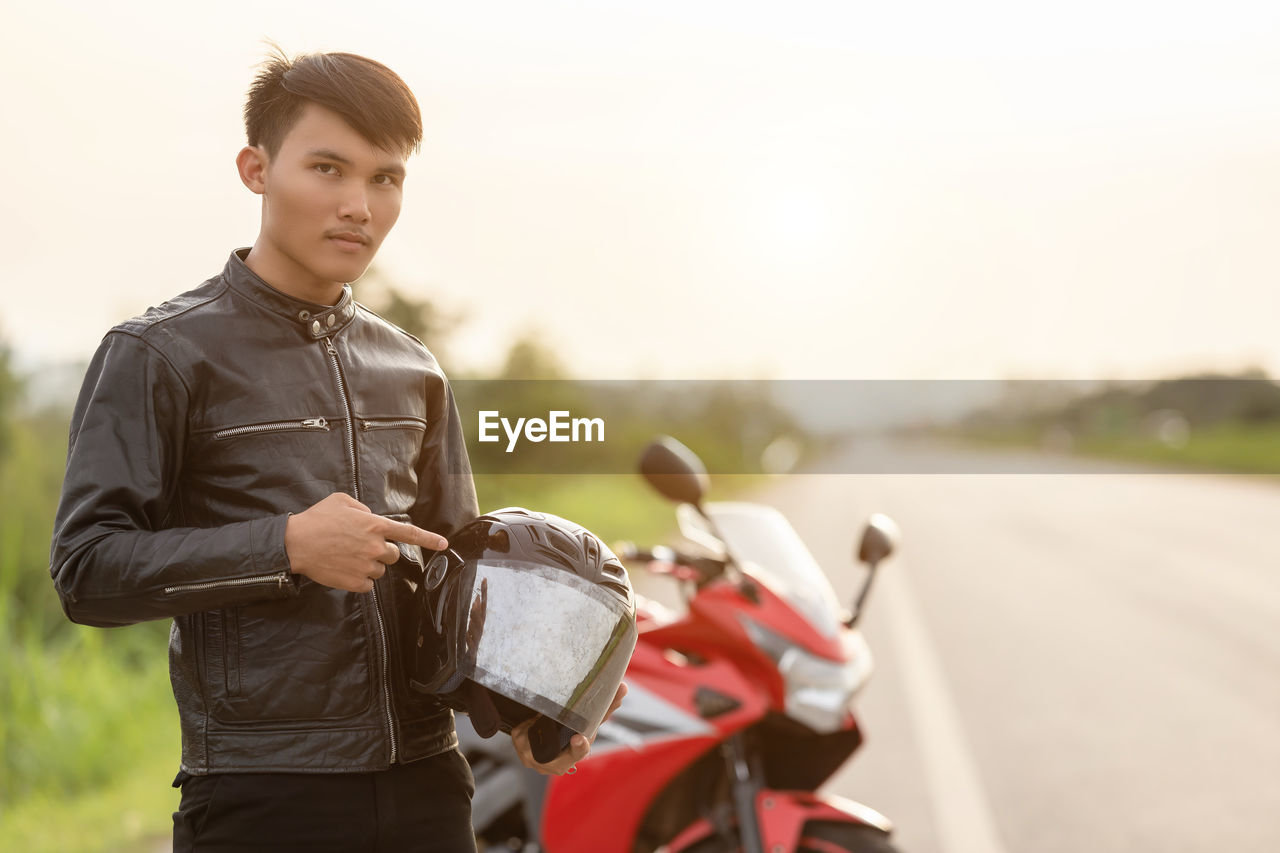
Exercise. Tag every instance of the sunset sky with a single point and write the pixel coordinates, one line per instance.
(699, 189)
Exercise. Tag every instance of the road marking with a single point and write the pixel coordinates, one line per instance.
(964, 818)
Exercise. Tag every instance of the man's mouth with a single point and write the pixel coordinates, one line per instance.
(348, 240)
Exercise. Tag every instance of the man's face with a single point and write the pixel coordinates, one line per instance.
(329, 199)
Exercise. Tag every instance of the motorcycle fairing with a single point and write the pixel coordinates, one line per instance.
(791, 757)
(646, 716)
(781, 816)
(601, 806)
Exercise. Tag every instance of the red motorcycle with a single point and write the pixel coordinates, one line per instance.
(737, 709)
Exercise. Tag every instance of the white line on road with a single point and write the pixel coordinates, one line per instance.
(964, 819)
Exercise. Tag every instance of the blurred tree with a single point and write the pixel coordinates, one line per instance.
(421, 318)
(530, 358)
(1247, 397)
(10, 389)
(1203, 400)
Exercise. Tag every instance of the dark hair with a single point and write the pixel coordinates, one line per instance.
(368, 95)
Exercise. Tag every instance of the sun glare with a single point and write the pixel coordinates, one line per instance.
(796, 223)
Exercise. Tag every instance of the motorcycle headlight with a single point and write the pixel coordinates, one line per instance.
(818, 691)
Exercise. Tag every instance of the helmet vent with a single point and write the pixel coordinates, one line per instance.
(614, 577)
(590, 550)
(556, 547)
(500, 541)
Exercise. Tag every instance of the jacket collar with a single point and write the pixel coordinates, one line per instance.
(316, 321)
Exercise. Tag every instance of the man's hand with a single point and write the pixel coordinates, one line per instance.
(579, 746)
(340, 543)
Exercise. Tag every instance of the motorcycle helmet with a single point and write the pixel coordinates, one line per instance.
(525, 613)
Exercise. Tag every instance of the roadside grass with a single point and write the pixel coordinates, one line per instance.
(87, 719)
(1237, 448)
(132, 813)
(90, 741)
(613, 506)
(1232, 448)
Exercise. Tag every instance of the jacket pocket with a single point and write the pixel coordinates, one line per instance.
(244, 470)
(390, 448)
(231, 652)
(316, 424)
(409, 423)
(307, 658)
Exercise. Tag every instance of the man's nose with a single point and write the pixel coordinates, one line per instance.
(355, 205)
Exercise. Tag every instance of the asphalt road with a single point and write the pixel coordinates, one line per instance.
(1076, 662)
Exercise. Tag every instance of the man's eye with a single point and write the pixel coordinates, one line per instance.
(385, 180)
(326, 168)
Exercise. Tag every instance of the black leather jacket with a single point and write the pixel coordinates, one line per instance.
(201, 425)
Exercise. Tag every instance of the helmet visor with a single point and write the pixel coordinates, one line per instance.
(546, 638)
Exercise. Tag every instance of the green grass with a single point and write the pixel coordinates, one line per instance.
(1239, 448)
(613, 506)
(130, 814)
(90, 741)
(1234, 448)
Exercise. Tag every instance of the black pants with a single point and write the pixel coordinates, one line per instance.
(423, 807)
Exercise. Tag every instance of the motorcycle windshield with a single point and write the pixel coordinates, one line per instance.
(762, 541)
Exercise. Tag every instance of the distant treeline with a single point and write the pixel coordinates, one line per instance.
(1211, 422)
(1200, 401)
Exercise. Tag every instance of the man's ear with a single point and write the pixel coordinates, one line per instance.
(252, 165)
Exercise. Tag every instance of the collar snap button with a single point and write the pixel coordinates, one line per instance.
(330, 320)
(315, 327)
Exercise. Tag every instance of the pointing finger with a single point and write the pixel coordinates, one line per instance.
(398, 531)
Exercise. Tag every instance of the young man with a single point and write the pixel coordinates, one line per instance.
(263, 460)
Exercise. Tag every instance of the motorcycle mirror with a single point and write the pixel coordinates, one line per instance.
(674, 470)
(879, 539)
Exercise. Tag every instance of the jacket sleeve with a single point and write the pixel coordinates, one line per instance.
(116, 557)
(446, 489)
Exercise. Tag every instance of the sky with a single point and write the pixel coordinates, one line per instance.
(660, 189)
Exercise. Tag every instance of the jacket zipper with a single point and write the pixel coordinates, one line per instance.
(346, 405)
(280, 578)
(276, 426)
(392, 423)
(355, 493)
